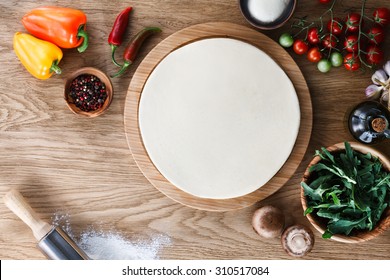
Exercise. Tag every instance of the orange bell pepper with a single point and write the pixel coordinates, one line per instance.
(65, 27)
(40, 57)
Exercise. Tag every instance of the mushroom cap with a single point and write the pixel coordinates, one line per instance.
(297, 240)
(268, 221)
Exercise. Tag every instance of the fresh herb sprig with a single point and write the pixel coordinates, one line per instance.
(350, 190)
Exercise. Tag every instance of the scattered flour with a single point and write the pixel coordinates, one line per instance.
(112, 245)
(62, 219)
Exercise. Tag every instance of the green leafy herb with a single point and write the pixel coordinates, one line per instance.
(350, 190)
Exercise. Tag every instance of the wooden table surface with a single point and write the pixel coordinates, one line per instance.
(62, 162)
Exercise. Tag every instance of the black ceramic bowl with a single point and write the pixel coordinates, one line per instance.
(284, 17)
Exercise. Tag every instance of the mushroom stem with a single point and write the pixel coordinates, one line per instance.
(297, 240)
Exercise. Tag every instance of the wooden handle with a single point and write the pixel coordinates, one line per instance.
(17, 204)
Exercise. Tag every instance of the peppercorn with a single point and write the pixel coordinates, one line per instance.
(88, 92)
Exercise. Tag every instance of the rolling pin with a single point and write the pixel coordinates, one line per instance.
(53, 241)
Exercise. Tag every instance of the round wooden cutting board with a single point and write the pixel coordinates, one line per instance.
(189, 35)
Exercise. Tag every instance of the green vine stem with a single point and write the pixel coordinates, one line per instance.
(331, 36)
(360, 35)
(303, 25)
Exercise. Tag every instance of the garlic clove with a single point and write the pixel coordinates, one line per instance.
(373, 91)
(386, 67)
(385, 98)
(380, 77)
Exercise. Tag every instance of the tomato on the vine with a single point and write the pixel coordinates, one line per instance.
(382, 16)
(312, 36)
(351, 62)
(352, 22)
(336, 59)
(376, 34)
(351, 43)
(374, 54)
(335, 26)
(324, 65)
(314, 54)
(300, 46)
(286, 40)
(329, 41)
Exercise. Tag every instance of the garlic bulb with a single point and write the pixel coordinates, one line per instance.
(380, 77)
(381, 87)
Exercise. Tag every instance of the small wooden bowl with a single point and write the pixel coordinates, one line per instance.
(361, 236)
(287, 14)
(103, 78)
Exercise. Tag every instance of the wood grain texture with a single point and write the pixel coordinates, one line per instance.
(62, 162)
(189, 35)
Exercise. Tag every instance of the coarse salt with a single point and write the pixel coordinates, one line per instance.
(100, 245)
(112, 245)
(267, 10)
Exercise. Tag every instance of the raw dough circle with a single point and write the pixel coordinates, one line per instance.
(218, 118)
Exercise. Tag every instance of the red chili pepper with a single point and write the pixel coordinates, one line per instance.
(133, 47)
(118, 30)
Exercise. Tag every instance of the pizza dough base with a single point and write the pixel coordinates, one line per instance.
(218, 118)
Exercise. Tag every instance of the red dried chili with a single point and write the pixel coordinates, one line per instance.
(133, 47)
(117, 33)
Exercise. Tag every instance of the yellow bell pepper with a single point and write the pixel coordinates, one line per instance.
(39, 57)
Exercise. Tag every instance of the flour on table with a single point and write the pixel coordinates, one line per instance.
(112, 245)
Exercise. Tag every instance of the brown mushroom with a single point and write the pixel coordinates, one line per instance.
(268, 221)
(297, 240)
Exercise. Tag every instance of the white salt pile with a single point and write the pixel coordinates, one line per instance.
(100, 245)
(267, 10)
(112, 245)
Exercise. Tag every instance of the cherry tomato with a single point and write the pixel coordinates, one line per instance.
(336, 26)
(324, 65)
(351, 62)
(329, 41)
(352, 22)
(300, 46)
(382, 16)
(374, 54)
(351, 43)
(324, 1)
(286, 40)
(312, 36)
(336, 59)
(314, 54)
(376, 34)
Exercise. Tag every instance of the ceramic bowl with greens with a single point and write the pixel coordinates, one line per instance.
(345, 192)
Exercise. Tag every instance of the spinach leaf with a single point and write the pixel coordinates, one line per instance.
(350, 190)
(344, 226)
